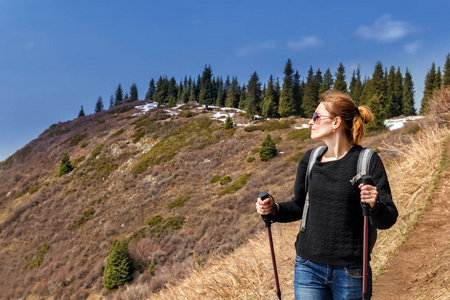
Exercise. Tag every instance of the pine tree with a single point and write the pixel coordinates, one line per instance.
(428, 90)
(310, 95)
(151, 90)
(228, 123)
(446, 78)
(65, 165)
(232, 99)
(408, 95)
(287, 100)
(437, 80)
(119, 95)
(297, 94)
(268, 149)
(356, 87)
(393, 102)
(180, 89)
(162, 91)
(327, 82)
(111, 101)
(378, 100)
(133, 93)
(172, 92)
(253, 100)
(221, 93)
(193, 92)
(339, 83)
(81, 113)
(186, 90)
(398, 92)
(206, 96)
(118, 265)
(99, 105)
(242, 97)
(270, 103)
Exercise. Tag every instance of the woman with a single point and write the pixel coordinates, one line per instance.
(330, 251)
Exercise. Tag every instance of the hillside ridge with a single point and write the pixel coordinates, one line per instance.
(154, 178)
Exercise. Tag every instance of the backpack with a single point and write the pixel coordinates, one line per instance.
(362, 168)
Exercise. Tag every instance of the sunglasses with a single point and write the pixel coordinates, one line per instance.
(316, 118)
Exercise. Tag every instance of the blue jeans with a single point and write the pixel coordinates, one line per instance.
(315, 281)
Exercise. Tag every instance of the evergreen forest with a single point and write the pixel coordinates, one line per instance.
(389, 92)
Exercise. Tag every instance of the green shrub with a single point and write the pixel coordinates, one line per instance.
(268, 149)
(137, 135)
(196, 134)
(117, 133)
(30, 189)
(228, 123)
(65, 166)
(215, 179)
(250, 159)
(76, 139)
(151, 268)
(236, 185)
(97, 150)
(270, 125)
(77, 161)
(84, 218)
(118, 266)
(179, 202)
(188, 114)
(37, 261)
(225, 180)
(299, 134)
(159, 225)
(84, 145)
(297, 157)
(175, 223)
(155, 220)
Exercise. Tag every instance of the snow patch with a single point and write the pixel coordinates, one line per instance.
(393, 124)
(304, 126)
(145, 108)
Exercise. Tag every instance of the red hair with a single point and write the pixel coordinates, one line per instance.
(353, 118)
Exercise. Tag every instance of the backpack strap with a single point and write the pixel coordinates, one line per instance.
(316, 152)
(362, 168)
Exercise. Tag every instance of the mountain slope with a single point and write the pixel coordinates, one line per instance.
(158, 179)
(130, 169)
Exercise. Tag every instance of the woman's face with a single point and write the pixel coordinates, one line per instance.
(321, 123)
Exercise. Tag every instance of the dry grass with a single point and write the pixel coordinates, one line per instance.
(247, 272)
(412, 179)
(119, 205)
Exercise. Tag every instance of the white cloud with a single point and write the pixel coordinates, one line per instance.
(250, 49)
(305, 42)
(386, 30)
(412, 48)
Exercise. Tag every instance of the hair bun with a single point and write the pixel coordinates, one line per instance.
(366, 114)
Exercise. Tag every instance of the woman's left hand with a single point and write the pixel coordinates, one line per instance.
(369, 194)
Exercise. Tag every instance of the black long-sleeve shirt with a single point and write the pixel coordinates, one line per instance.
(334, 228)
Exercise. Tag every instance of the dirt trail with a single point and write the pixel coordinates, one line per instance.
(421, 270)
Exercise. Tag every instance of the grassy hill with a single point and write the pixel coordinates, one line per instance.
(179, 187)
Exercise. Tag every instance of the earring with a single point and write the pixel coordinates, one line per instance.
(334, 130)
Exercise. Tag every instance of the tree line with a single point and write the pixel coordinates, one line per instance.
(388, 92)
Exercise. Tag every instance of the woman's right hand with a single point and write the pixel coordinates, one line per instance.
(266, 206)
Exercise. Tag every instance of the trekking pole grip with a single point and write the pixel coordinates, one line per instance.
(366, 180)
(267, 218)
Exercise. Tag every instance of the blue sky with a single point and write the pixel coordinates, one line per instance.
(56, 56)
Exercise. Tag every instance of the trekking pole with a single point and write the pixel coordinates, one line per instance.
(366, 179)
(268, 220)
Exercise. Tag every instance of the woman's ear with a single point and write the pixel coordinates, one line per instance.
(337, 122)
